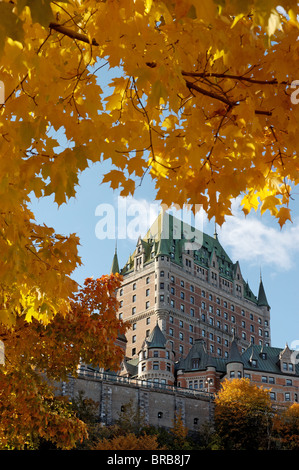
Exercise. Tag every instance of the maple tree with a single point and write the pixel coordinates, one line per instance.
(286, 427)
(243, 415)
(199, 95)
(37, 355)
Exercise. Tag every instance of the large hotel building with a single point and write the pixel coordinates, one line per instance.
(191, 289)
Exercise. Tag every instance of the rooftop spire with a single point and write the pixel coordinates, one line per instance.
(115, 265)
(262, 299)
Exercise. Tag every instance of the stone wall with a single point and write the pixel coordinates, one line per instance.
(159, 406)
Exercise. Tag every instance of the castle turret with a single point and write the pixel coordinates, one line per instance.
(156, 359)
(234, 364)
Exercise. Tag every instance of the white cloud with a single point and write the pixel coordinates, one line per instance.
(259, 240)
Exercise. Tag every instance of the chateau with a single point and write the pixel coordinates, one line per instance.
(194, 323)
(194, 319)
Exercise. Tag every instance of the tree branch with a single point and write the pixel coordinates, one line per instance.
(72, 34)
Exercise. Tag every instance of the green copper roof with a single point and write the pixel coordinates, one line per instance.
(262, 299)
(115, 266)
(168, 236)
(156, 339)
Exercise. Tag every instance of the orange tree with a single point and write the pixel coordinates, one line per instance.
(37, 354)
(286, 427)
(199, 95)
(243, 415)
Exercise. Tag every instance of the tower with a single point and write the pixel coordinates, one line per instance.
(156, 359)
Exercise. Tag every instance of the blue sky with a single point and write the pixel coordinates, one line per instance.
(257, 242)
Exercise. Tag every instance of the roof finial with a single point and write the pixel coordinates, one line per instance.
(216, 234)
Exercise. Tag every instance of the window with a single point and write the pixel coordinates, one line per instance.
(134, 298)
(182, 283)
(181, 335)
(171, 331)
(192, 299)
(182, 307)
(182, 295)
(147, 280)
(287, 396)
(147, 304)
(134, 286)
(162, 274)
(161, 285)
(134, 339)
(133, 310)
(264, 379)
(192, 312)
(156, 353)
(121, 292)
(191, 288)
(147, 292)
(156, 365)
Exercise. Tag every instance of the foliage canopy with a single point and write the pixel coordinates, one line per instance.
(198, 94)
